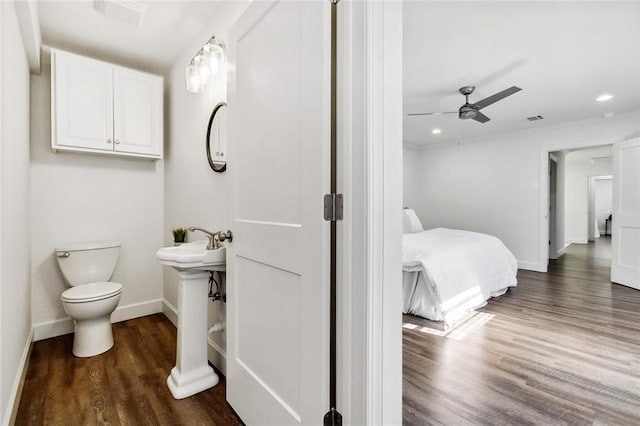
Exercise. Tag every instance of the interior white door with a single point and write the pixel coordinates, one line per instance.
(625, 237)
(82, 102)
(137, 112)
(278, 262)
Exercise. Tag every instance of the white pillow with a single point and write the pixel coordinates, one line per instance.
(410, 223)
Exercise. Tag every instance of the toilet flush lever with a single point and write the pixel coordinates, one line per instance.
(63, 254)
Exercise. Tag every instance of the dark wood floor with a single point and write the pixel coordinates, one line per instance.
(124, 386)
(563, 347)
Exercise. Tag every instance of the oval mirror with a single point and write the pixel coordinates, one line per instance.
(217, 138)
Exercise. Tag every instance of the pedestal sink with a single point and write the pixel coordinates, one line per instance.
(192, 373)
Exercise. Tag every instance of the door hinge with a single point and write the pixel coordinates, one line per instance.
(333, 418)
(333, 207)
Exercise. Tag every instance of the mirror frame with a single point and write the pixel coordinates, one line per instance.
(214, 167)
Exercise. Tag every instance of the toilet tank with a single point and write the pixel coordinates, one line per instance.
(84, 263)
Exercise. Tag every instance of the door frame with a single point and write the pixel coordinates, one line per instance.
(553, 207)
(591, 201)
(543, 186)
(369, 237)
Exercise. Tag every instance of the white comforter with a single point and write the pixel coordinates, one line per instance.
(449, 272)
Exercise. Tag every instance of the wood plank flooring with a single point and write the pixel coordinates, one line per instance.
(124, 386)
(562, 348)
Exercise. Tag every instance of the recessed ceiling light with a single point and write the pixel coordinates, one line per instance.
(608, 114)
(604, 97)
(436, 131)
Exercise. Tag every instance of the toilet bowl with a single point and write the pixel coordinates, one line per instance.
(91, 298)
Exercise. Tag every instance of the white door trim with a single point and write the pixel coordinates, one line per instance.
(591, 203)
(553, 211)
(543, 191)
(370, 141)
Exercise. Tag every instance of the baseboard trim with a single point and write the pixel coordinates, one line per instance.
(18, 384)
(577, 241)
(53, 328)
(217, 356)
(136, 310)
(557, 255)
(530, 266)
(563, 250)
(59, 327)
(170, 311)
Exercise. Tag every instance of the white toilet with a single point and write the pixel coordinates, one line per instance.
(87, 269)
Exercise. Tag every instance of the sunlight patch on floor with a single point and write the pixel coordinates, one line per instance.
(459, 330)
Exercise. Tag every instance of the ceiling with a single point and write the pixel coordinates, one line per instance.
(562, 54)
(168, 30)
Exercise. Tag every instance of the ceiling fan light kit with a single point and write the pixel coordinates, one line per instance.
(472, 110)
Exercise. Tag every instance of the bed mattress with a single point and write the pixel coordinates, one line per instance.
(449, 272)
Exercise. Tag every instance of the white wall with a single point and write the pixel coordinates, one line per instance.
(15, 308)
(491, 185)
(410, 175)
(194, 194)
(577, 194)
(84, 197)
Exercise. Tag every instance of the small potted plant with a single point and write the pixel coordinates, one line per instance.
(179, 235)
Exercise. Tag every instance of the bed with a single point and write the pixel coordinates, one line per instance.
(448, 272)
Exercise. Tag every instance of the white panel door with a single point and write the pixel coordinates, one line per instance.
(278, 262)
(137, 114)
(625, 237)
(82, 102)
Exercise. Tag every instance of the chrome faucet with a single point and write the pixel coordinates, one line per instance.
(214, 242)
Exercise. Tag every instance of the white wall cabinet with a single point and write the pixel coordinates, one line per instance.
(102, 108)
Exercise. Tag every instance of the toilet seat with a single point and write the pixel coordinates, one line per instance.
(91, 292)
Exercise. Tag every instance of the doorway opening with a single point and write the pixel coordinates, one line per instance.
(600, 206)
(580, 200)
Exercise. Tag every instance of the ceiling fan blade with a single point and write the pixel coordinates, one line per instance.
(431, 113)
(481, 118)
(496, 97)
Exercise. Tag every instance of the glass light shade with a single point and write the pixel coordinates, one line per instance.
(203, 68)
(193, 79)
(213, 54)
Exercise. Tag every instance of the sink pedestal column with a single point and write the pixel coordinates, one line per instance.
(192, 373)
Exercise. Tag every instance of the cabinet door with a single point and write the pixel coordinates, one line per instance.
(82, 103)
(137, 112)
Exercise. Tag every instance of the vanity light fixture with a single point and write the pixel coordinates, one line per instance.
(205, 64)
(436, 131)
(604, 97)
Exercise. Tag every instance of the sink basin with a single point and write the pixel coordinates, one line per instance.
(193, 256)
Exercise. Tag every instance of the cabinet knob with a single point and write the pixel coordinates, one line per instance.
(109, 140)
(117, 141)
(222, 154)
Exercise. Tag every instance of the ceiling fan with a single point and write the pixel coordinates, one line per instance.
(472, 111)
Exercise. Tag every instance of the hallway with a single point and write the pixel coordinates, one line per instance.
(598, 251)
